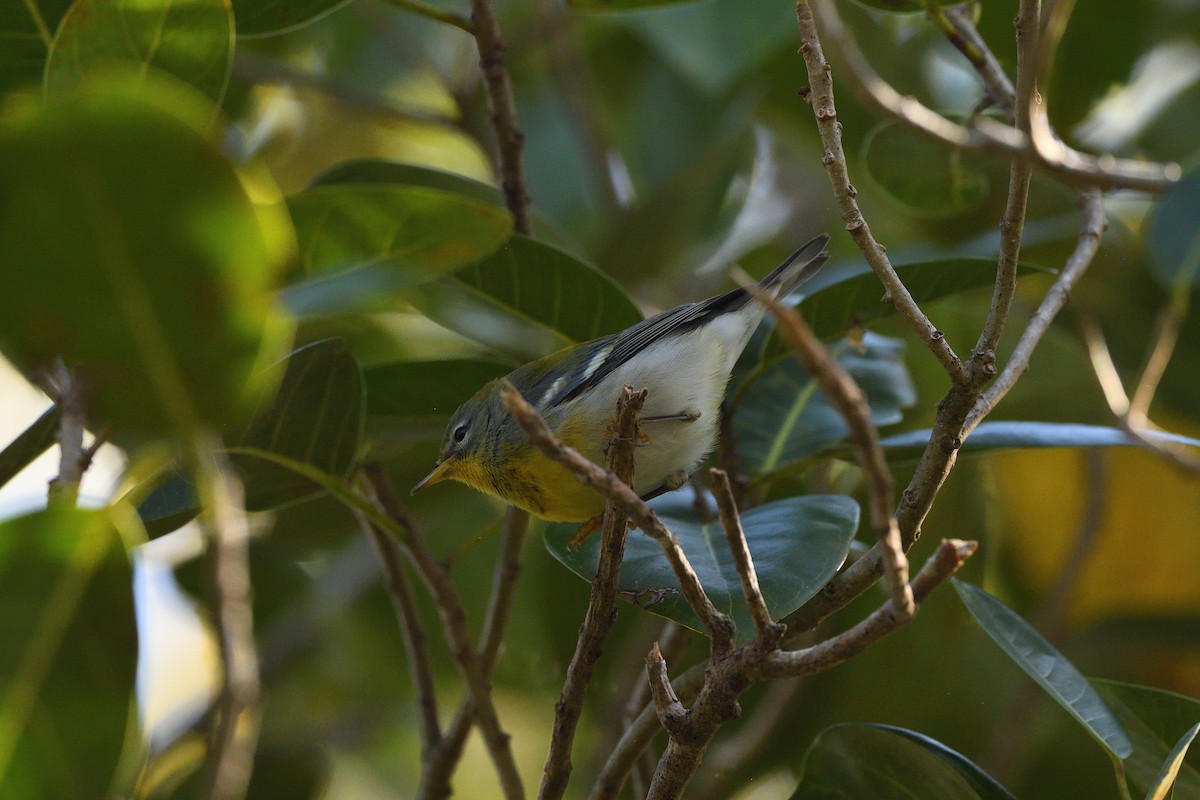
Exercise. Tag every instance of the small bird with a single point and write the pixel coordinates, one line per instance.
(683, 356)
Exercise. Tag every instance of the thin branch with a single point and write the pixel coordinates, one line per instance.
(509, 139)
(436, 14)
(229, 760)
(672, 641)
(987, 135)
(1091, 231)
(768, 631)
(851, 403)
(413, 633)
(602, 603)
(670, 711)
(945, 561)
(820, 97)
(1166, 335)
(719, 626)
(68, 396)
(454, 627)
(965, 36)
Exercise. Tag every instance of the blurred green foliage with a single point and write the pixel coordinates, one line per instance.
(293, 239)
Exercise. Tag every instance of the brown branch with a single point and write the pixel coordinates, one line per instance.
(851, 403)
(602, 603)
(68, 396)
(963, 34)
(229, 760)
(820, 97)
(1166, 335)
(412, 632)
(719, 626)
(454, 626)
(667, 706)
(509, 139)
(768, 631)
(1050, 154)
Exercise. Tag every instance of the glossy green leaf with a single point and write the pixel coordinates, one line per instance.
(1155, 720)
(26, 30)
(797, 545)
(834, 302)
(262, 17)
(1020, 434)
(528, 299)
(887, 763)
(189, 39)
(69, 654)
(315, 417)
(783, 416)
(426, 390)
(1048, 668)
(946, 184)
(31, 443)
(1174, 240)
(142, 257)
(360, 244)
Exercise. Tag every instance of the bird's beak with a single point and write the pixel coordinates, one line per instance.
(439, 473)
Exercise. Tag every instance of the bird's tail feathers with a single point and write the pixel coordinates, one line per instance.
(798, 267)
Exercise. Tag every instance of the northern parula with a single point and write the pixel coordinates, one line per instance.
(683, 356)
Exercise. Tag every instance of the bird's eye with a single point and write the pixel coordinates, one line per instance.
(460, 434)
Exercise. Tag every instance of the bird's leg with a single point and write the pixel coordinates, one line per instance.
(686, 415)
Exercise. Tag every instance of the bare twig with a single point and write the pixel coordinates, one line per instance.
(68, 395)
(987, 135)
(963, 34)
(672, 643)
(851, 403)
(820, 97)
(670, 711)
(435, 13)
(719, 626)
(230, 757)
(1166, 335)
(768, 631)
(458, 637)
(509, 139)
(602, 603)
(413, 633)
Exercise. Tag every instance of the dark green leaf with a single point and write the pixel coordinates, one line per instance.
(528, 299)
(620, 5)
(426, 391)
(903, 6)
(27, 29)
(882, 763)
(783, 416)
(1017, 434)
(140, 256)
(169, 505)
(1154, 719)
(70, 648)
(33, 441)
(797, 545)
(316, 417)
(948, 183)
(261, 17)
(190, 39)
(1040, 661)
(363, 243)
(1174, 240)
(834, 302)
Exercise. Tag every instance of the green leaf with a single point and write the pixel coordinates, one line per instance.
(1020, 434)
(948, 183)
(362, 243)
(315, 417)
(263, 17)
(1173, 238)
(141, 257)
(903, 6)
(69, 654)
(33, 441)
(886, 763)
(797, 545)
(1048, 668)
(189, 39)
(426, 391)
(1154, 720)
(27, 29)
(620, 5)
(783, 416)
(528, 299)
(1165, 781)
(834, 302)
